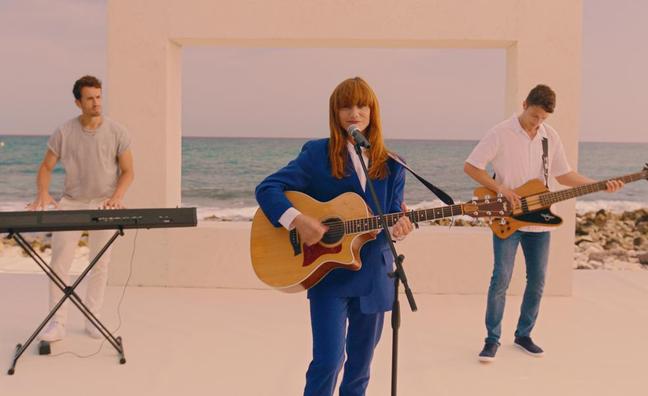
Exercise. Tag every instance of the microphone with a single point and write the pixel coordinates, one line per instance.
(358, 137)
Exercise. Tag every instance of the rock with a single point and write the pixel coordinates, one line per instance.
(582, 229)
(627, 244)
(593, 248)
(643, 259)
(581, 261)
(611, 244)
(581, 239)
(600, 218)
(619, 253)
(598, 256)
(642, 219)
(596, 264)
(642, 228)
(629, 215)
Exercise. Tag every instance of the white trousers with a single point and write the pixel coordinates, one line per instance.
(64, 244)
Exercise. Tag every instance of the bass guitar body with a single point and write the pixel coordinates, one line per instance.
(532, 212)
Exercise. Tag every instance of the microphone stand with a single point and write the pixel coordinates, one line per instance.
(398, 274)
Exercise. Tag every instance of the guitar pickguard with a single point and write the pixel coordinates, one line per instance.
(540, 217)
(312, 253)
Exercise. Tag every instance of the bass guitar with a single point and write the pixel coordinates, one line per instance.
(536, 201)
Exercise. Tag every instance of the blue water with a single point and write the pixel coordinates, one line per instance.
(222, 172)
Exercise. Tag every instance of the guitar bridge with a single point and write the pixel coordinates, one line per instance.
(294, 242)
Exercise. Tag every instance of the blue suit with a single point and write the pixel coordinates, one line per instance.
(361, 297)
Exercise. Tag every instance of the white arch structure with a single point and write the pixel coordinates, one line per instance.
(542, 40)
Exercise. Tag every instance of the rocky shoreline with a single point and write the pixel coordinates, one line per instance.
(612, 240)
(604, 240)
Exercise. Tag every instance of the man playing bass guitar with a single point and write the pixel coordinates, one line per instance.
(515, 150)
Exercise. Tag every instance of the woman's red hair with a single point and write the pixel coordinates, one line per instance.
(350, 92)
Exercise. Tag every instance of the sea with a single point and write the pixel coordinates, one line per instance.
(219, 174)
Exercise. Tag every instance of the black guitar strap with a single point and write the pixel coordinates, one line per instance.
(545, 160)
(442, 195)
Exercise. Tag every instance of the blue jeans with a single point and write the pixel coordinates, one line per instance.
(535, 246)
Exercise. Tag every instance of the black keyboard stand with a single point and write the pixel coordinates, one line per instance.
(68, 293)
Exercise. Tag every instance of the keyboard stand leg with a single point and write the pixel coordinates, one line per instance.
(68, 293)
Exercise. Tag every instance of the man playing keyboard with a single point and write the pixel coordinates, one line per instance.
(96, 157)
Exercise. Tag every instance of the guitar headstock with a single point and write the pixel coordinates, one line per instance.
(645, 171)
(488, 206)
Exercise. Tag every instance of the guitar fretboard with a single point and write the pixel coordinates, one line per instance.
(373, 223)
(549, 198)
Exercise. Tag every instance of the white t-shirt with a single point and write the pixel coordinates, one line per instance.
(516, 158)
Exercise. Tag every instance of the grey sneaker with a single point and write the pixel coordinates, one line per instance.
(529, 346)
(54, 331)
(488, 353)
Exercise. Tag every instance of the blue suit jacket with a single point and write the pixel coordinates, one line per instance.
(310, 173)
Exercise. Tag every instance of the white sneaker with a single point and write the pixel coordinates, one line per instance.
(92, 331)
(54, 331)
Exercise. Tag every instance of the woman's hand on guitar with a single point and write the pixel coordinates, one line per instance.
(402, 227)
(510, 195)
(310, 229)
(614, 185)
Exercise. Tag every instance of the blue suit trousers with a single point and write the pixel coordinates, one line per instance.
(329, 318)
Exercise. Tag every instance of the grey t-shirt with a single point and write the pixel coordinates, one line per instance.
(89, 157)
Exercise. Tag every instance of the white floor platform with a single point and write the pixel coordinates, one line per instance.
(254, 342)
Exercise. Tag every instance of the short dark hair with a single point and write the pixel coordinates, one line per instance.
(543, 96)
(85, 81)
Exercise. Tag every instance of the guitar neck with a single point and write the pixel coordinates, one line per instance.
(552, 197)
(355, 226)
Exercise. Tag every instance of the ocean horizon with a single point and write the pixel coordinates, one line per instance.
(219, 174)
(28, 134)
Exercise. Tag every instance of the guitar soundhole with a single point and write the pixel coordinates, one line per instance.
(335, 232)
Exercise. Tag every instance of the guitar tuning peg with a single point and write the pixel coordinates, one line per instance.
(487, 197)
(502, 221)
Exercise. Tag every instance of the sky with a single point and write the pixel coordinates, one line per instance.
(276, 92)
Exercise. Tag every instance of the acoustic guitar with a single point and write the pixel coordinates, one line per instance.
(536, 201)
(283, 262)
